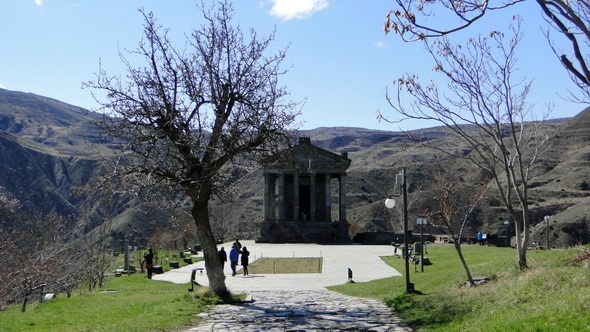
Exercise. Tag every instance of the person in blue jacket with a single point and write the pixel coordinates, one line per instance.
(234, 256)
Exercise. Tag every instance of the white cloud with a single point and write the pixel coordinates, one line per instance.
(290, 9)
(2, 86)
(39, 2)
(380, 44)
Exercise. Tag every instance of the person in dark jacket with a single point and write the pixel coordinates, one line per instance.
(149, 262)
(234, 255)
(245, 255)
(222, 257)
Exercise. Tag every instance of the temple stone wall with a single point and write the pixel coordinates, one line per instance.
(298, 196)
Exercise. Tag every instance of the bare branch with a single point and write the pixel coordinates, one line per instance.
(419, 20)
(185, 115)
(486, 110)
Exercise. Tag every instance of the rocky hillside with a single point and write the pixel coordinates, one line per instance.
(559, 182)
(45, 149)
(48, 147)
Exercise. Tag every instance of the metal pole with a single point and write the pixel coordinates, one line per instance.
(126, 256)
(406, 234)
(547, 222)
(421, 247)
(507, 223)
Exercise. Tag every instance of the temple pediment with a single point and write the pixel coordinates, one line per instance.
(305, 157)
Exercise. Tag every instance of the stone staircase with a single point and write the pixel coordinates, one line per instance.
(299, 232)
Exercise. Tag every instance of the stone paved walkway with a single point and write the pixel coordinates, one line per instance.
(312, 310)
(301, 302)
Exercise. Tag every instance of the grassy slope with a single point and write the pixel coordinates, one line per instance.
(138, 304)
(553, 295)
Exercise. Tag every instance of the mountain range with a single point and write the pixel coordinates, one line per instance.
(48, 148)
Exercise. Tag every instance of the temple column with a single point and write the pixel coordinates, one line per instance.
(273, 197)
(282, 197)
(342, 197)
(266, 200)
(312, 192)
(328, 200)
(296, 197)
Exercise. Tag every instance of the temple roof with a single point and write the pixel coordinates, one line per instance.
(307, 157)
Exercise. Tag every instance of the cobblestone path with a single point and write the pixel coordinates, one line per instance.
(312, 310)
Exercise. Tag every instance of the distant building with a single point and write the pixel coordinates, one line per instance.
(305, 196)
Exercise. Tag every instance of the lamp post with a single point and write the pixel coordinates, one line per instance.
(400, 180)
(547, 223)
(507, 223)
(422, 222)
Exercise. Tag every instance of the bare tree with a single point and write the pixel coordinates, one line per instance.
(189, 113)
(102, 198)
(8, 244)
(184, 228)
(420, 20)
(486, 110)
(39, 259)
(173, 230)
(222, 224)
(98, 261)
(162, 239)
(457, 200)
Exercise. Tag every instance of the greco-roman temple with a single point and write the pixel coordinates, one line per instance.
(305, 196)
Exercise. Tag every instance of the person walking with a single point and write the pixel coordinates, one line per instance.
(222, 257)
(234, 255)
(149, 262)
(245, 255)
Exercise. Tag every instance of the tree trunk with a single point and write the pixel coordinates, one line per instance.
(521, 244)
(522, 264)
(463, 262)
(23, 306)
(213, 267)
(522, 248)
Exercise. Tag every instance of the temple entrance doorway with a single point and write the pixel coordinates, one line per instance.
(304, 206)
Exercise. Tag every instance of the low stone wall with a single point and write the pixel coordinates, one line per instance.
(388, 238)
(304, 232)
(374, 238)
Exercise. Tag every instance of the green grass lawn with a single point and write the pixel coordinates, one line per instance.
(286, 265)
(552, 295)
(129, 303)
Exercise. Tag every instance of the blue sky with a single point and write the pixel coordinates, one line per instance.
(341, 61)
